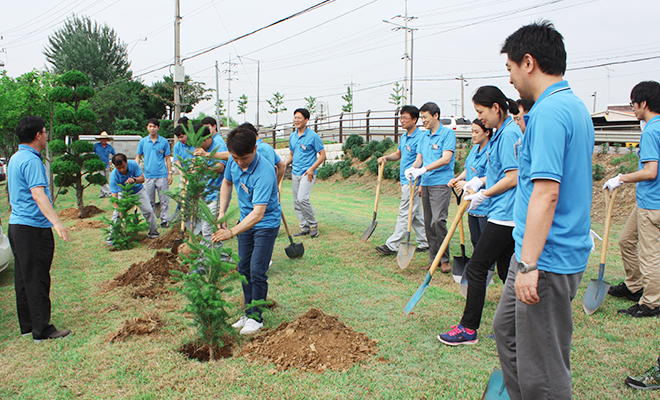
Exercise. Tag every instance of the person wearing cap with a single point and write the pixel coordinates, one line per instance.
(105, 151)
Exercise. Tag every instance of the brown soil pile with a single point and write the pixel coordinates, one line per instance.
(165, 241)
(312, 342)
(91, 224)
(150, 292)
(136, 326)
(152, 272)
(73, 212)
(625, 198)
(202, 353)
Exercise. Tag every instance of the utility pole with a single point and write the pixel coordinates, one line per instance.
(258, 80)
(406, 56)
(229, 79)
(217, 93)
(463, 84)
(608, 84)
(594, 96)
(179, 74)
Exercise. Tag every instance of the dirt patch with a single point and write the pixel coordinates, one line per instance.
(202, 353)
(136, 326)
(150, 292)
(165, 241)
(625, 198)
(152, 272)
(312, 342)
(89, 224)
(73, 212)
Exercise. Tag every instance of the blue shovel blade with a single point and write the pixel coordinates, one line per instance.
(418, 294)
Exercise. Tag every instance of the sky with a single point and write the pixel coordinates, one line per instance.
(321, 52)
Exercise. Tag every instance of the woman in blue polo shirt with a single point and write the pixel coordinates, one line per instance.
(496, 242)
(256, 189)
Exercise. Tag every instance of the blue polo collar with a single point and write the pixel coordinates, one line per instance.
(552, 89)
(652, 121)
(506, 123)
(29, 148)
(254, 164)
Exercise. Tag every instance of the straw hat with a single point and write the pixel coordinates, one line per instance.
(104, 135)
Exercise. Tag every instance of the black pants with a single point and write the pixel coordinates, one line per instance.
(33, 253)
(477, 225)
(495, 245)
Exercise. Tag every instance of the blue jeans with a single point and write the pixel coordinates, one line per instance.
(255, 247)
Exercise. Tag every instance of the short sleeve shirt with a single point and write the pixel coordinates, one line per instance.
(104, 152)
(257, 185)
(304, 150)
(218, 146)
(26, 171)
(408, 148)
(648, 192)
(182, 150)
(133, 170)
(431, 148)
(268, 152)
(476, 165)
(558, 145)
(154, 156)
(502, 157)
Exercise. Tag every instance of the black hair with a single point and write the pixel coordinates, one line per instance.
(183, 121)
(526, 104)
(488, 95)
(411, 110)
(210, 121)
(205, 133)
(430, 108)
(249, 126)
(119, 158)
(28, 128)
(154, 121)
(648, 91)
(481, 125)
(303, 111)
(241, 141)
(541, 41)
(178, 131)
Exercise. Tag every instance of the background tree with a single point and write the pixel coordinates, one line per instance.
(348, 98)
(311, 104)
(161, 102)
(242, 105)
(124, 101)
(95, 50)
(397, 97)
(276, 105)
(74, 117)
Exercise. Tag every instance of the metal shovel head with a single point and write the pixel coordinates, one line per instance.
(459, 267)
(496, 389)
(463, 284)
(595, 295)
(405, 254)
(372, 227)
(418, 294)
(294, 250)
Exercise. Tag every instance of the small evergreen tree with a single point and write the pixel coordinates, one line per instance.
(242, 105)
(348, 98)
(311, 104)
(276, 105)
(397, 97)
(125, 229)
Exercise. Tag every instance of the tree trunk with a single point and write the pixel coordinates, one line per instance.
(79, 196)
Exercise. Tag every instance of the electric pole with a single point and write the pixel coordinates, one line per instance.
(463, 84)
(406, 55)
(258, 80)
(217, 93)
(179, 74)
(229, 79)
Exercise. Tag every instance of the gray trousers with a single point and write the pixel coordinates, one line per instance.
(435, 200)
(207, 229)
(534, 342)
(105, 189)
(147, 213)
(160, 185)
(401, 229)
(302, 190)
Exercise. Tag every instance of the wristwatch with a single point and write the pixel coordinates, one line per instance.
(525, 268)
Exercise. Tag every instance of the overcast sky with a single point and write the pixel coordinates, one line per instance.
(319, 53)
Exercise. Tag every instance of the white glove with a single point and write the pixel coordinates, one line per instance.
(476, 199)
(417, 172)
(593, 235)
(474, 184)
(408, 173)
(613, 183)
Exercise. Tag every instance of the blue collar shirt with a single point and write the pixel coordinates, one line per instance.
(408, 148)
(133, 170)
(476, 164)
(104, 152)
(304, 150)
(648, 192)
(182, 150)
(431, 148)
(502, 157)
(26, 171)
(268, 152)
(154, 156)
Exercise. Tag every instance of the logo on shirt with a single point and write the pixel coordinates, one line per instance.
(435, 146)
(245, 188)
(302, 146)
(408, 148)
(516, 147)
(474, 170)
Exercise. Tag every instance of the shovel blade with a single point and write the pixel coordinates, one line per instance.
(372, 227)
(405, 254)
(294, 250)
(496, 390)
(459, 267)
(418, 294)
(595, 295)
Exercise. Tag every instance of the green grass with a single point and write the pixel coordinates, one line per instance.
(338, 274)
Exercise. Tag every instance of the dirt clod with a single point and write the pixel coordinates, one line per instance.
(151, 323)
(152, 272)
(312, 342)
(165, 241)
(194, 351)
(73, 212)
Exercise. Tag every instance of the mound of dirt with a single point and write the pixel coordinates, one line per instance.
(165, 241)
(625, 198)
(202, 353)
(136, 326)
(311, 342)
(73, 212)
(152, 272)
(150, 292)
(82, 224)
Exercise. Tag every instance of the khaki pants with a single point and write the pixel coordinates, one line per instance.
(640, 251)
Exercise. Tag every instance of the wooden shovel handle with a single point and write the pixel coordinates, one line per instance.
(609, 205)
(462, 231)
(381, 168)
(445, 243)
(413, 186)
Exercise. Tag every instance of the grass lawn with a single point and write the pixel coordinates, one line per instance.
(338, 274)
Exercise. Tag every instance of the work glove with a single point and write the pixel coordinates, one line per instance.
(417, 172)
(476, 199)
(613, 183)
(473, 184)
(408, 173)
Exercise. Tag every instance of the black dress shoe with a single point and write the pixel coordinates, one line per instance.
(55, 335)
(301, 233)
(385, 250)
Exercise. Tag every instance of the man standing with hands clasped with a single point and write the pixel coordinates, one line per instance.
(533, 324)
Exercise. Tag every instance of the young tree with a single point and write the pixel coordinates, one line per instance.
(76, 160)
(276, 105)
(348, 98)
(83, 45)
(242, 105)
(311, 104)
(125, 229)
(397, 97)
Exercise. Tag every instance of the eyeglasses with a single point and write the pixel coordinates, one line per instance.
(403, 118)
(632, 103)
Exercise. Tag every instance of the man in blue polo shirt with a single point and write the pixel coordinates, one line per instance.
(129, 172)
(104, 151)
(533, 324)
(30, 234)
(640, 239)
(407, 153)
(256, 190)
(268, 152)
(181, 150)
(304, 145)
(157, 168)
(435, 164)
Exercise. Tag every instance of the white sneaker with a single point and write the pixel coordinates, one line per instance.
(251, 326)
(240, 323)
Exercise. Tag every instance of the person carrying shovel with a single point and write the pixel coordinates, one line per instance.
(407, 153)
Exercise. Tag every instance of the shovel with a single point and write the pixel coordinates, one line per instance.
(294, 250)
(597, 289)
(407, 250)
(372, 227)
(445, 243)
(460, 262)
(496, 389)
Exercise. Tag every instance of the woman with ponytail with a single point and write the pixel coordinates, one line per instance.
(496, 243)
